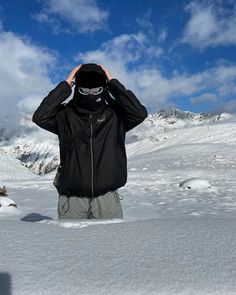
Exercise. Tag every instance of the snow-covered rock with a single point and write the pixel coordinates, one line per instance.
(195, 183)
(6, 202)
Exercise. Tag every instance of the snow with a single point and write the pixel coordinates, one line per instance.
(5, 202)
(37, 152)
(171, 241)
(195, 183)
(10, 169)
(141, 257)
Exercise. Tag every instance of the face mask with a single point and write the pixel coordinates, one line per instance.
(91, 101)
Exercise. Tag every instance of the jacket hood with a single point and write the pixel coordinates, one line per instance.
(90, 75)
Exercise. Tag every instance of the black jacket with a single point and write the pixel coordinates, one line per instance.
(92, 144)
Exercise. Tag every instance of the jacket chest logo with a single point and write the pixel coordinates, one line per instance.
(101, 119)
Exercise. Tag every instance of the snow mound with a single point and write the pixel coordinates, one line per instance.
(195, 183)
(6, 202)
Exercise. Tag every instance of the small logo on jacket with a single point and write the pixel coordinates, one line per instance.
(101, 119)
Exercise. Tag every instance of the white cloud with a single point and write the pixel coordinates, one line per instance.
(73, 16)
(204, 98)
(122, 51)
(122, 56)
(154, 52)
(210, 25)
(23, 75)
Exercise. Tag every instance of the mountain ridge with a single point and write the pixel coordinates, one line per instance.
(38, 149)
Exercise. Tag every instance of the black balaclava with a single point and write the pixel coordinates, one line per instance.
(90, 75)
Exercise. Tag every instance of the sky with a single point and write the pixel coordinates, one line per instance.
(177, 54)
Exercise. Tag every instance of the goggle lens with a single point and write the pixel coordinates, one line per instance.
(94, 91)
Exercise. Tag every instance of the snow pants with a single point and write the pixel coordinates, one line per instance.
(106, 206)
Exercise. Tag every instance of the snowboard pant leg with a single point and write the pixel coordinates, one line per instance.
(105, 206)
(72, 208)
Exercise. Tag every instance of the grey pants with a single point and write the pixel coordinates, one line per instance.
(105, 206)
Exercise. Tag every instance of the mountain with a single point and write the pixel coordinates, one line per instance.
(10, 169)
(34, 147)
(181, 118)
(38, 149)
(158, 124)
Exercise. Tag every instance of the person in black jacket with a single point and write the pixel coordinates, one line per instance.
(91, 129)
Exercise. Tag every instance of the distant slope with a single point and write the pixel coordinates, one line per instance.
(38, 149)
(11, 169)
(154, 138)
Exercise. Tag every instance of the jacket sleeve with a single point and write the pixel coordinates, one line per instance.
(45, 115)
(133, 112)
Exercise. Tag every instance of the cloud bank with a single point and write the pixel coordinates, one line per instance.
(72, 16)
(24, 76)
(123, 56)
(211, 24)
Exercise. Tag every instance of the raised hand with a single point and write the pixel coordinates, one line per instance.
(72, 74)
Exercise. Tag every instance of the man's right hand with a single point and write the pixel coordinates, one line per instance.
(72, 74)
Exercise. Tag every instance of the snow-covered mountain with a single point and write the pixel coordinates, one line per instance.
(40, 156)
(34, 147)
(38, 149)
(176, 114)
(175, 118)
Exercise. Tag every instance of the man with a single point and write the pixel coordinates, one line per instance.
(91, 129)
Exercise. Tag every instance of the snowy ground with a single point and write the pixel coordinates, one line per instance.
(173, 240)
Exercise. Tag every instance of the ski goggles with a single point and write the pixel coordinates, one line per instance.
(94, 91)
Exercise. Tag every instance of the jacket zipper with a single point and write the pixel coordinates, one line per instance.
(91, 149)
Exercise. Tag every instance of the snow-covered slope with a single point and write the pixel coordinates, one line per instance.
(154, 139)
(38, 149)
(177, 235)
(34, 147)
(11, 169)
(156, 257)
(167, 120)
(39, 155)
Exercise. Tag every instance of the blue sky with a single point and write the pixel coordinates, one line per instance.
(169, 53)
